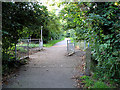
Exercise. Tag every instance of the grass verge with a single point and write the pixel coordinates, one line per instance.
(52, 42)
(90, 82)
(31, 45)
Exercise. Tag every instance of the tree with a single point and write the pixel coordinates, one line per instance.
(99, 24)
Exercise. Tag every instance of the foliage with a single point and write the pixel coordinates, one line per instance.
(100, 85)
(22, 49)
(24, 20)
(105, 38)
(54, 27)
(17, 21)
(98, 23)
(52, 42)
(92, 83)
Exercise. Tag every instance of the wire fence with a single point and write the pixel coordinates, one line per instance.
(35, 45)
(84, 46)
(72, 45)
(25, 47)
(22, 49)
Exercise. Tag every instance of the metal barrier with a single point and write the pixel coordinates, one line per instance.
(84, 46)
(70, 47)
(35, 44)
(25, 47)
(22, 49)
(81, 44)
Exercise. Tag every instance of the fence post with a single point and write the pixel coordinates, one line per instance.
(84, 44)
(74, 45)
(41, 33)
(78, 44)
(88, 61)
(39, 44)
(15, 52)
(28, 47)
(88, 44)
(67, 45)
(42, 44)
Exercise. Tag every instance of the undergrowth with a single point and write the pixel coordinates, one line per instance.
(91, 82)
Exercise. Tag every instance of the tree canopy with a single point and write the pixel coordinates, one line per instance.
(24, 20)
(96, 22)
(99, 24)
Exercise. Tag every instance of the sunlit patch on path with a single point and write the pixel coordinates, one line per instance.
(60, 46)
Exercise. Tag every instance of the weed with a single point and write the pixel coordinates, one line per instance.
(100, 84)
(90, 82)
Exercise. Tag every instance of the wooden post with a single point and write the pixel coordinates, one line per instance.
(88, 61)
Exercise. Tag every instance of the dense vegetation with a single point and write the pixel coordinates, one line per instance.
(99, 24)
(24, 20)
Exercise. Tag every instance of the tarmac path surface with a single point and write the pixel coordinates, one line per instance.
(50, 68)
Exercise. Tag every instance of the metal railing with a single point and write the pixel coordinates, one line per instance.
(25, 47)
(70, 47)
(84, 46)
(81, 45)
(22, 49)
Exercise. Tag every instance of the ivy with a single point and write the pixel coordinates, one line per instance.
(99, 23)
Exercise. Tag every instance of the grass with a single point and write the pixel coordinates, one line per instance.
(21, 49)
(100, 84)
(49, 44)
(24, 49)
(52, 42)
(89, 82)
(31, 45)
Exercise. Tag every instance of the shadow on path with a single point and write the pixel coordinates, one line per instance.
(50, 68)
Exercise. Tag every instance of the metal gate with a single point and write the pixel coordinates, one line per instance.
(70, 47)
(25, 47)
(22, 49)
(35, 44)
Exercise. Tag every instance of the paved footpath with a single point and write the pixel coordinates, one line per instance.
(50, 68)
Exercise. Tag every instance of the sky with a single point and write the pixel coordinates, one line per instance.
(50, 8)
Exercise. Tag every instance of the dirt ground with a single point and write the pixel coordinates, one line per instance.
(49, 68)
